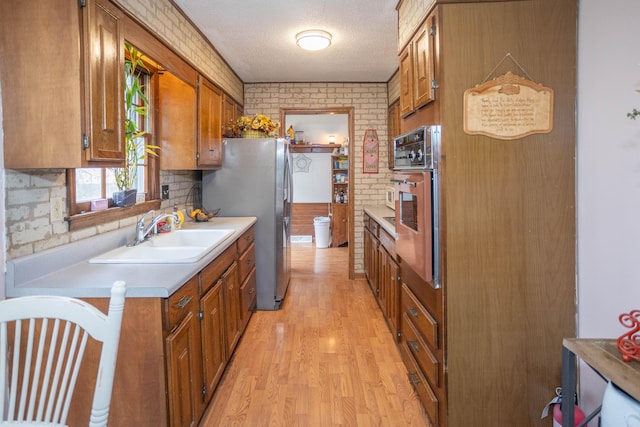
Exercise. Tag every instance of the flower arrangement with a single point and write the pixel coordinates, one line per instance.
(259, 122)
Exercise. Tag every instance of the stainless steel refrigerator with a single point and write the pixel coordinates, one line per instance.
(255, 180)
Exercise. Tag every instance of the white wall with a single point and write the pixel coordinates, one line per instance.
(4, 230)
(313, 183)
(608, 164)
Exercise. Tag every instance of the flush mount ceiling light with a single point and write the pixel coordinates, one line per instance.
(313, 39)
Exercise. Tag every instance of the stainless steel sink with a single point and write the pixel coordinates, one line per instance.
(177, 247)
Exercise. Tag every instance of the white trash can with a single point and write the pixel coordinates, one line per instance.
(321, 225)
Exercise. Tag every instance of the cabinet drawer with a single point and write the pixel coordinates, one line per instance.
(247, 262)
(181, 303)
(245, 240)
(248, 293)
(425, 324)
(374, 227)
(426, 361)
(388, 242)
(425, 392)
(212, 272)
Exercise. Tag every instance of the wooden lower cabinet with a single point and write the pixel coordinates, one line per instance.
(231, 288)
(214, 355)
(389, 296)
(184, 373)
(339, 224)
(173, 351)
(383, 272)
(371, 253)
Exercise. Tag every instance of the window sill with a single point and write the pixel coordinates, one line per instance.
(91, 219)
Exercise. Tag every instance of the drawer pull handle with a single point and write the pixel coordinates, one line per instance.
(251, 290)
(414, 345)
(413, 378)
(413, 311)
(248, 238)
(184, 301)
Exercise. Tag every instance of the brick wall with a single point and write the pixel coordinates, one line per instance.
(410, 14)
(370, 104)
(172, 28)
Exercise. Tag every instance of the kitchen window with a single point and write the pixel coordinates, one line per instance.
(89, 184)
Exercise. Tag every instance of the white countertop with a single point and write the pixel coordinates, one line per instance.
(66, 270)
(378, 212)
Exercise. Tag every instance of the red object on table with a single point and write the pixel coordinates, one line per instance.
(628, 343)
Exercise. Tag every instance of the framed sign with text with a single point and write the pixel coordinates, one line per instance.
(508, 107)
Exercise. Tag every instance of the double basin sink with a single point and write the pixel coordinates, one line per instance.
(176, 247)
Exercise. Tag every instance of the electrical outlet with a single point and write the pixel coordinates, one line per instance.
(165, 192)
(56, 209)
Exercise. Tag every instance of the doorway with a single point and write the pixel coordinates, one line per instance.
(317, 138)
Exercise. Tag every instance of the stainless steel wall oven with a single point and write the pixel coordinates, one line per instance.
(417, 204)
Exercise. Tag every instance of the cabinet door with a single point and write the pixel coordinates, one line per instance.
(390, 273)
(247, 299)
(423, 64)
(176, 123)
(209, 155)
(406, 80)
(40, 71)
(229, 115)
(232, 307)
(371, 260)
(213, 343)
(340, 225)
(104, 86)
(184, 367)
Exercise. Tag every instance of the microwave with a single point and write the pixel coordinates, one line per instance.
(417, 149)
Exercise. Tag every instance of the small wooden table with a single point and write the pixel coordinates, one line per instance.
(601, 355)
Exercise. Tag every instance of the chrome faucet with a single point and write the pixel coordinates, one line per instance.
(142, 232)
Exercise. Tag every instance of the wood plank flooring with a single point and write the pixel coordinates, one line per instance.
(326, 358)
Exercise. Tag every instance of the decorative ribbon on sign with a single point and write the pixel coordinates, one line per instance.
(508, 107)
(370, 154)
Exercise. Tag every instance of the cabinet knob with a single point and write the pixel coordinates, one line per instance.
(413, 311)
(414, 345)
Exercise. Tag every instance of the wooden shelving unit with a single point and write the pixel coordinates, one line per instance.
(340, 199)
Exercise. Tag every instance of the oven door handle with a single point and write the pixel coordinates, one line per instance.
(404, 181)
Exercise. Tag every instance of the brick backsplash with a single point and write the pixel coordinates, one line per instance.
(370, 104)
(27, 209)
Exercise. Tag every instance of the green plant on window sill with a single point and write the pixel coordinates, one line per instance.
(133, 136)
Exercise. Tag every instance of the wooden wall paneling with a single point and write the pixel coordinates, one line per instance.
(510, 216)
(303, 215)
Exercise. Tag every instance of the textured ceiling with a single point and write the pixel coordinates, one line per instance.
(257, 38)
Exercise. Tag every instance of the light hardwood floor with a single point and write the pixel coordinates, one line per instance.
(326, 358)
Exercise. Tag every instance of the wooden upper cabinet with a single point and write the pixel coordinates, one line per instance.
(406, 80)
(417, 68)
(40, 71)
(209, 145)
(62, 69)
(423, 64)
(176, 123)
(103, 47)
(229, 114)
